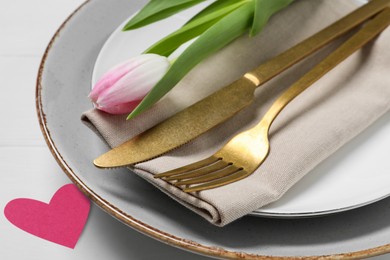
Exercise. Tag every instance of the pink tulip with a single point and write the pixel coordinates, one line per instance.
(123, 87)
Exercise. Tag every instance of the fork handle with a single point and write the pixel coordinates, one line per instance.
(358, 40)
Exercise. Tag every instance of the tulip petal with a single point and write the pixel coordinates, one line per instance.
(108, 79)
(120, 109)
(123, 87)
(112, 76)
(132, 87)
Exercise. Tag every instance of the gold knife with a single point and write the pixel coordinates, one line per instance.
(184, 126)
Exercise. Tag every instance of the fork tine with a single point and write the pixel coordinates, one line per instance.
(220, 164)
(241, 174)
(190, 167)
(229, 169)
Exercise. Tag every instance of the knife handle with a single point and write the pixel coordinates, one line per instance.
(283, 61)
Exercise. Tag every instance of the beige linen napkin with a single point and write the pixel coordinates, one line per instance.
(311, 128)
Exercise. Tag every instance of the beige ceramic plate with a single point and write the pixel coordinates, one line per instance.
(62, 87)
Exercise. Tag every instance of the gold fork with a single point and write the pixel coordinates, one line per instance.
(244, 153)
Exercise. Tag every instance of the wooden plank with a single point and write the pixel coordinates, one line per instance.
(27, 26)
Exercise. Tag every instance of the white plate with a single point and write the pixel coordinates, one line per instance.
(63, 85)
(355, 176)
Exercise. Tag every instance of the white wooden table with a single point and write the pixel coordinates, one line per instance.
(27, 168)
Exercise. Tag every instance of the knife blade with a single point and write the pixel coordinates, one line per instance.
(213, 110)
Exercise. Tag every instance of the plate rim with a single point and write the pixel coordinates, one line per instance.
(137, 224)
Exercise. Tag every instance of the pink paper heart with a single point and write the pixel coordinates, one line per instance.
(61, 221)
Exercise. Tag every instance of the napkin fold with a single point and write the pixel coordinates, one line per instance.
(312, 127)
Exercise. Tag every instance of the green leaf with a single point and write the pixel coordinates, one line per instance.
(169, 44)
(191, 30)
(217, 5)
(264, 9)
(219, 35)
(157, 10)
